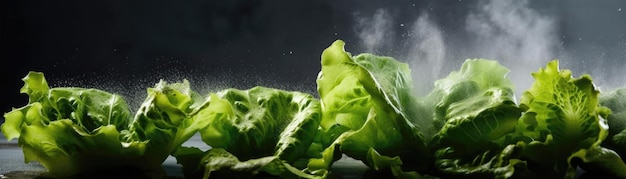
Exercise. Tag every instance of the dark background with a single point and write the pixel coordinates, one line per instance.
(126, 46)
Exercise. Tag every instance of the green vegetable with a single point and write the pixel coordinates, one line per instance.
(477, 109)
(470, 84)
(367, 112)
(469, 126)
(267, 129)
(616, 101)
(75, 131)
(563, 125)
(607, 160)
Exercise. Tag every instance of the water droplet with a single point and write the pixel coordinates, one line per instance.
(290, 52)
(413, 5)
(619, 9)
(580, 38)
(335, 33)
(115, 50)
(401, 25)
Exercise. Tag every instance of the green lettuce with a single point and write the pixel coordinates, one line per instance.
(74, 131)
(260, 129)
(615, 142)
(563, 126)
(616, 101)
(475, 109)
(368, 110)
(470, 125)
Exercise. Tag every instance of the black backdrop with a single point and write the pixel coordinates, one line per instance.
(126, 46)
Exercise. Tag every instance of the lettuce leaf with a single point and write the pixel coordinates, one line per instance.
(368, 110)
(616, 101)
(563, 124)
(475, 109)
(74, 131)
(616, 139)
(260, 129)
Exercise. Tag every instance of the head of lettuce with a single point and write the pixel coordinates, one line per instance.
(73, 131)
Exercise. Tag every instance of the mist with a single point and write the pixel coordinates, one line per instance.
(515, 35)
(376, 33)
(426, 52)
(518, 34)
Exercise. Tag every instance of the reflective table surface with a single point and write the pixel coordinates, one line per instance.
(12, 164)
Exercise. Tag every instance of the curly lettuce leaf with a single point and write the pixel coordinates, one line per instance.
(267, 129)
(473, 105)
(367, 105)
(74, 131)
(600, 160)
(218, 159)
(475, 109)
(491, 162)
(470, 81)
(616, 101)
(87, 108)
(164, 118)
(563, 107)
(562, 120)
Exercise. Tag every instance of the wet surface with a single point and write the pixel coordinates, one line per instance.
(12, 165)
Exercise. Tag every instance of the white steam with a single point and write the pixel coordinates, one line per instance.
(376, 32)
(426, 53)
(508, 31)
(517, 36)
(423, 45)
